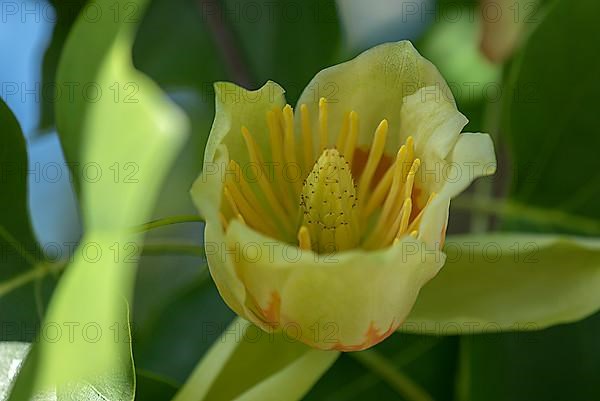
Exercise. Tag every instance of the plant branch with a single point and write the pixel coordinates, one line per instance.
(383, 368)
(224, 36)
(543, 216)
(8, 237)
(166, 221)
(44, 268)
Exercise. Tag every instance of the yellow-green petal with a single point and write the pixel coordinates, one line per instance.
(345, 301)
(236, 107)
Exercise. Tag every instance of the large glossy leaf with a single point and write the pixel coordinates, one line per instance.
(509, 282)
(144, 133)
(550, 122)
(550, 118)
(20, 255)
(248, 364)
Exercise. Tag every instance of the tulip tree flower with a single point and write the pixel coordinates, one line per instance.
(325, 221)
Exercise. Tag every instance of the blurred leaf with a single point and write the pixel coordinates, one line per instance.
(175, 47)
(550, 115)
(20, 255)
(247, 363)
(287, 42)
(169, 342)
(427, 361)
(504, 26)
(144, 132)
(451, 44)
(559, 364)
(153, 387)
(509, 282)
(189, 44)
(65, 15)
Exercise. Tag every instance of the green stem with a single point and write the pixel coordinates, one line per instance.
(39, 271)
(379, 365)
(166, 221)
(463, 376)
(8, 237)
(173, 248)
(546, 217)
(42, 269)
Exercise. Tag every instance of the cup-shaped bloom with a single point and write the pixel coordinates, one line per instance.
(326, 220)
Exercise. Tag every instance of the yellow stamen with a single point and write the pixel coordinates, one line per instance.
(410, 146)
(277, 152)
(275, 138)
(290, 141)
(224, 222)
(402, 217)
(265, 186)
(352, 138)
(304, 239)
(244, 209)
(307, 145)
(405, 216)
(392, 197)
(415, 223)
(410, 178)
(379, 193)
(230, 201)
(244, 186)
(328, 199)
(373, 161)
(290, 150)
(323, 134)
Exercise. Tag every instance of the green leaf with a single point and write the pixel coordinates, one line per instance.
(21, 268)
(185, 44)
(65, 15)
(509, 282)
(549, 119)
(11, 359)
(283, 41)
(408, 355)
(167, 341)
(559, 364)
(550, 115)
(153, 387)
(174, 46)
(247, 364)
(144, 133)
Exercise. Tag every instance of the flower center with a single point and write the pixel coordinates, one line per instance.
(329, 204)
(324, 210)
